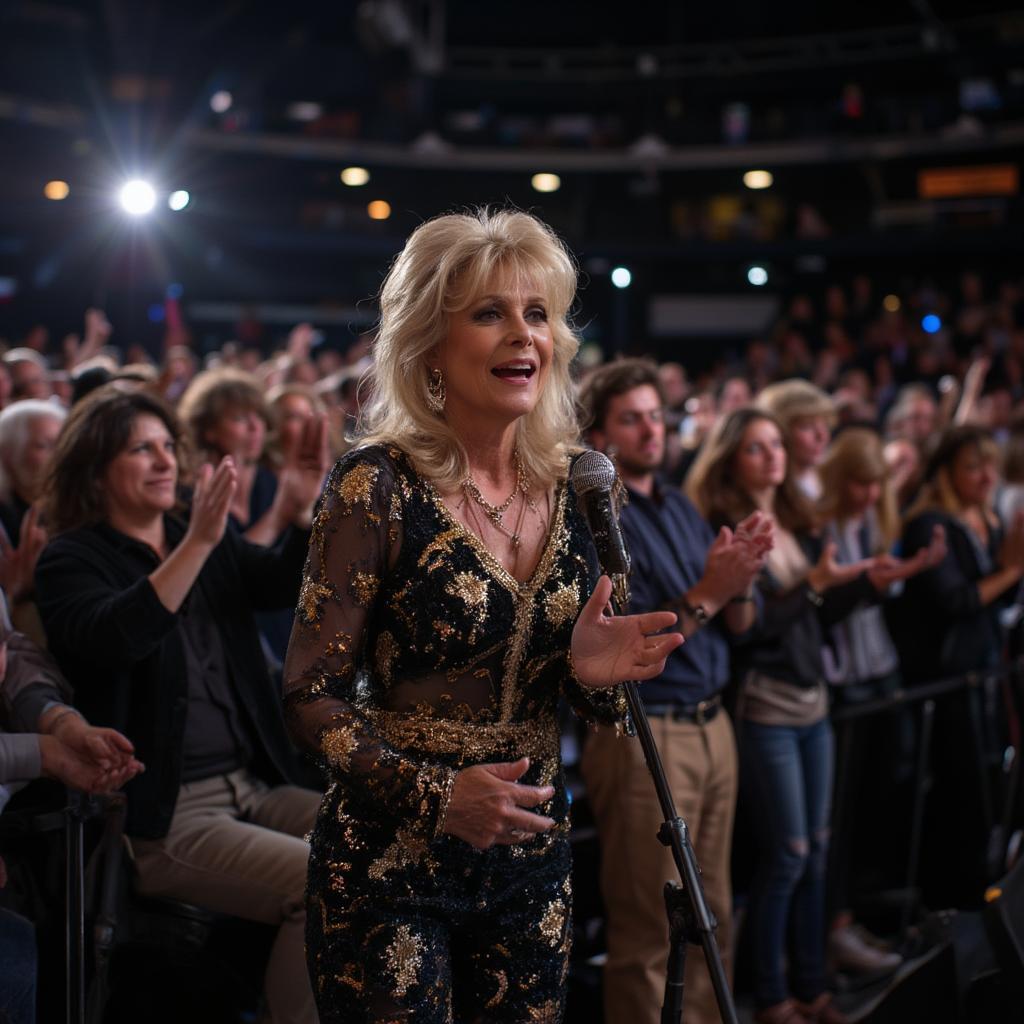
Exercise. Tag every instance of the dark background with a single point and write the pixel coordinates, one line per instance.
(452, 103)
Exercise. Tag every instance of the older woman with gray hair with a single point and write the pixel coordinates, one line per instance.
(28, 434)
(448, 601)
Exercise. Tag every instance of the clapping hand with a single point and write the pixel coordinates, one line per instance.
(302, 476)
(211, 500)
(758, 531)
(1011, 554)
(735, 559)
(609, 649)
(889, 569)
(18, 565)
(828, 573)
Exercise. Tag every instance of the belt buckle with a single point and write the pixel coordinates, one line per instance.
(700, 716)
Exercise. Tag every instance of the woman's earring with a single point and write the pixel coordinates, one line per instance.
(436, 391)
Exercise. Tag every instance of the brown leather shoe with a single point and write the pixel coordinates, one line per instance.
(822, 1010)
(786, 1012)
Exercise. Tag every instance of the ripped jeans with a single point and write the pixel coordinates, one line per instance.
(786, 778)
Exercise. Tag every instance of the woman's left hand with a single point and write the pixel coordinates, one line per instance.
(888, 569)
(609, 649)
(302, 475)
(18, 565)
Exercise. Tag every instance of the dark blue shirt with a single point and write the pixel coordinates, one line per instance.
(668, 545)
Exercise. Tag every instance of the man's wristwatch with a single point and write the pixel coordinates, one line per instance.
(697, 612)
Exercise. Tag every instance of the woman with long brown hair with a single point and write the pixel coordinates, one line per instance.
(150, 617)
(785, 739)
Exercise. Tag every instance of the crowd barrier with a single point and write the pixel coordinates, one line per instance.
(994, 697)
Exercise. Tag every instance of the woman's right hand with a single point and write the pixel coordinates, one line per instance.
(18, 565)
(211, 500)
(487, 805)
(828, 573)
(1011, 554)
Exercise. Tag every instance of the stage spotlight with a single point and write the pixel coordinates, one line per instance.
(546, 182)
(137, 197)
(931, 324)
(379, 210)
(355, 176)
(56, 190)
(758, 179)
(220, 101)
(891, 303)
(178, 200)
(621, 277)
(757, 276)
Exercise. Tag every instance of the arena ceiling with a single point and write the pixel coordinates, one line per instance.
(649, 114)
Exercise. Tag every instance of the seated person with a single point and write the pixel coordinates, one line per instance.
(28, 432)
(151, 618)
(50, 739)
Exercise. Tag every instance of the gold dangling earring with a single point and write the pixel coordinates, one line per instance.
(436, 391)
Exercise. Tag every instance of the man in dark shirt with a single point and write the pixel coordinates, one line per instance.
(677, 563)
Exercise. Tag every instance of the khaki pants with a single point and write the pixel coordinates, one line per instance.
(701, 768)
(236, 846)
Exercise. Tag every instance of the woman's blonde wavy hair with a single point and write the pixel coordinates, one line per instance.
(446, 264)
(858, 454)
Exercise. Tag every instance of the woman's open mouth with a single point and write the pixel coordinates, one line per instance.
(516, 373)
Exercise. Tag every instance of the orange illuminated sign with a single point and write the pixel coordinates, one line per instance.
(954, 182)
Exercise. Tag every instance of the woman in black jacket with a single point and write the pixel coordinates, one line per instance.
(948, 623)
(151, 620)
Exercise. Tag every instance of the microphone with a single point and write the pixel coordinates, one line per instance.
(592, 477)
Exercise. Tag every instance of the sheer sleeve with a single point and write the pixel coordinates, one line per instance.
(356, 537)
(605, 705)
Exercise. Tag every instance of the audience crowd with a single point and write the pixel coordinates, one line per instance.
(835, 513)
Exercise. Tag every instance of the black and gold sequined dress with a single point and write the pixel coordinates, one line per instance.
(415, 654)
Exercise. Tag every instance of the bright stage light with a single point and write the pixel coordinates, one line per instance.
(379, 209)
(891, 303)
(56, 190)
(546, 182)
(621, 277)
(931, 324)
(178, 200)
(355, 176)
(137, 197)
(758, 179)
(757, 276)
(220, 101)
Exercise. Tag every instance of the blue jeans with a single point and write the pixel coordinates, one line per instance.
(786, 773)
(18, 970)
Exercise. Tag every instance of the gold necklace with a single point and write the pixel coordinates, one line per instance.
(496, 513)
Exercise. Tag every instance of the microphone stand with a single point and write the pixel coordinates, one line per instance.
(690, 920)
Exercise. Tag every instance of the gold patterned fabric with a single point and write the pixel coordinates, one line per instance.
(416, 654)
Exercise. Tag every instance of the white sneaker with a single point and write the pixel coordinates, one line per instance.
(854, 949)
